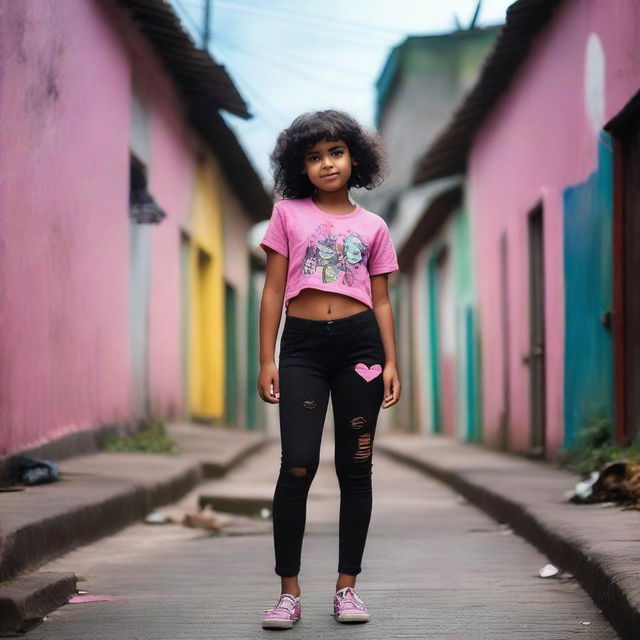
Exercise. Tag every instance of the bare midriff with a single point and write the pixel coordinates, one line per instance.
(313, 304)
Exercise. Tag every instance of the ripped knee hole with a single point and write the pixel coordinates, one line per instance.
(358, 423)
(299, 472)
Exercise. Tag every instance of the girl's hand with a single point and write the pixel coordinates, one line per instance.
(391, 386)
(269, 383)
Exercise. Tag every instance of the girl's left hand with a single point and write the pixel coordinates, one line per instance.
(391, 386)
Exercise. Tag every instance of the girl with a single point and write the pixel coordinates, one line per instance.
(327, 260)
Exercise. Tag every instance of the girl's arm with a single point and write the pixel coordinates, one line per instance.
(270, 313)
(384, 316)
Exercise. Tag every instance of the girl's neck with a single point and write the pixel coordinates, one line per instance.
(333, 201)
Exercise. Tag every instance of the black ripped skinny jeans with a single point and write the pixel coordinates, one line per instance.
(343, 358)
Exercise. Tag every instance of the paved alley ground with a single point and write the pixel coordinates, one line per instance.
(435, 567)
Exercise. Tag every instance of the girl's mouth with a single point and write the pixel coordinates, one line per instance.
(330, 176)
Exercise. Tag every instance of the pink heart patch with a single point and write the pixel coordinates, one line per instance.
(368, 373)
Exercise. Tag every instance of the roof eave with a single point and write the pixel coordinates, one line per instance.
(448, 153)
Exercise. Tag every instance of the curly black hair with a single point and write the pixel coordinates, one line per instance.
(287, 159)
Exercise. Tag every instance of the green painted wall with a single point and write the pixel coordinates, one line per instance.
(456, 237)
(231, 355)
(252, 353)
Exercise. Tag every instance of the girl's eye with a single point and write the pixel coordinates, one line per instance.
(337, 153)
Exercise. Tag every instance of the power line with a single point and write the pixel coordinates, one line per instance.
(271, 52)
(340, 23)
(301, 74)
(279, 119)
(257, 53)
(319, 30)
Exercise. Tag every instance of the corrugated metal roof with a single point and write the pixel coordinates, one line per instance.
(448, 154)
(195, 72)
(445, 195)
(206, 87)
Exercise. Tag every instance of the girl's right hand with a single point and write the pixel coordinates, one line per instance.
(269, 383)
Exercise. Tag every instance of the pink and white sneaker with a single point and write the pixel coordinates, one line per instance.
(349, 607)
(284, 615)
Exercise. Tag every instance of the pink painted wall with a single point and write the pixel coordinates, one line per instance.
(171, 180)
(538, 140)
(64, 230)
(63, 188)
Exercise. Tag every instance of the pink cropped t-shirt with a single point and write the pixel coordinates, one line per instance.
(328, 251)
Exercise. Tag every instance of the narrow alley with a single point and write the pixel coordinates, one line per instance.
(435, 567)
(215, 213)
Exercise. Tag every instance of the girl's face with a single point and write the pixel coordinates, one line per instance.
(328, 164)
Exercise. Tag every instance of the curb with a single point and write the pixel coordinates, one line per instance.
(28, 597)
(241, 505)
(212, 470)
(618, 596)
(25, 600)
(35, 543)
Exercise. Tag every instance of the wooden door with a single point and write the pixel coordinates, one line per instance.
(627, 253)
(536, 356)
(231, 355)
(505, 418)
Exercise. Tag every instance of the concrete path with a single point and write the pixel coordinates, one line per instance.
(435, 567)
(597, 543)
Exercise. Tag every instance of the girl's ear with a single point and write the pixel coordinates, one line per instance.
(354, 162)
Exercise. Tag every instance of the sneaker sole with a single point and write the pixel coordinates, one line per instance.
(278, 624)
(353, 617)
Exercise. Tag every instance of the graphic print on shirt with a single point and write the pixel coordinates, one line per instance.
(334, 254)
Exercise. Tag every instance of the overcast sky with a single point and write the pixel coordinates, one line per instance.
(291, 56)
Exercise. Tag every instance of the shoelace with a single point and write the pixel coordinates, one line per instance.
(281, 604)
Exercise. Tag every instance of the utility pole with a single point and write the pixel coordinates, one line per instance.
(206, 28)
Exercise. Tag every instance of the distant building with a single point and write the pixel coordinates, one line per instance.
(547, 140)
(423, 78)
(420, 84)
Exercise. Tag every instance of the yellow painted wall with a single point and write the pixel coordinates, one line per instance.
(206, 276)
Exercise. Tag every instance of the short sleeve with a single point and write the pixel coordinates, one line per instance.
(383, 254)
(275, 237)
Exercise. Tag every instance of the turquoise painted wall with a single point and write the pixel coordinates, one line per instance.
(456, 235)
(434, 340)
(588, 381)
(469, 340)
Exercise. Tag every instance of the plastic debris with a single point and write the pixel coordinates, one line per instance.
(586, 623)
(617, 481)
(207, 519)
(505, 529)
(83, 599)
(549, 571)
(32, 471)
(157, 517)
(584, 489)
(265, 513)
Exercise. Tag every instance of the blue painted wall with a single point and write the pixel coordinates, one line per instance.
(588, 246)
